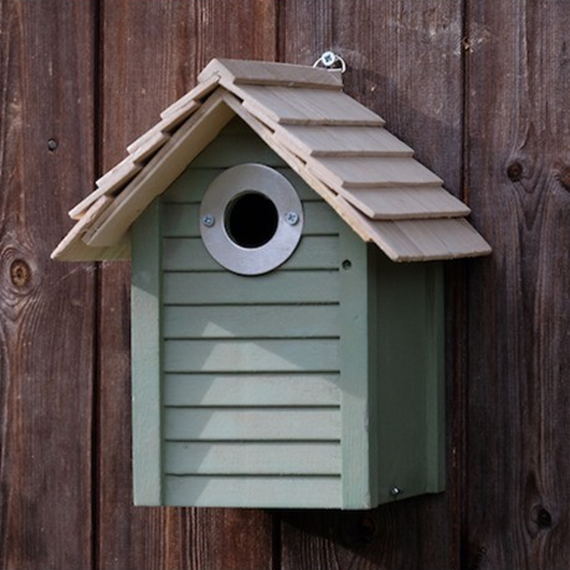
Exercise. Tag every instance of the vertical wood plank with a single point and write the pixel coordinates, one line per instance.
(404, 62)
(46, 308)
(152, 52)
(146, 397)
(359, 422)
(517, 504)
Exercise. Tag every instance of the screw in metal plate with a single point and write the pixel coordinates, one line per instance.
(208, 220)
(292, 218)
(331, 60)
(395, 491)
(328, 58)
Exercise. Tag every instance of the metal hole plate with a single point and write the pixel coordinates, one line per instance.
(220, 194)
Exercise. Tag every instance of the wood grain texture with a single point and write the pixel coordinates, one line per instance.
(46, 308)
(404, 62)
(507, 370)
(517, 499)
(152, 52)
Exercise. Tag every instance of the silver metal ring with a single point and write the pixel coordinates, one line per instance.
(282, 233)
(331, 60)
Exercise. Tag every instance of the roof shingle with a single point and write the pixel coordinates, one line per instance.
(338, 146)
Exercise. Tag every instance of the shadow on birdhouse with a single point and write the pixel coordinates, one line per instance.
(281, 354)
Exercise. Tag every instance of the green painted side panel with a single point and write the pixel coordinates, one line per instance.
(146, 363)
(410, 380)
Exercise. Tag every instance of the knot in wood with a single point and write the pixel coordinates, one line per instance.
(542, 518)
(20, 273)
(368, 528)
(564, 177)
(515, 171)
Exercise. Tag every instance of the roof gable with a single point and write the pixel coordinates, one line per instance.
(338, 146)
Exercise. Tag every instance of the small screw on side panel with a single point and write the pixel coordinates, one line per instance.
(395, 491)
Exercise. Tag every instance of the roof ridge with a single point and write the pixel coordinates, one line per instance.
(251, 72)
(337, 145)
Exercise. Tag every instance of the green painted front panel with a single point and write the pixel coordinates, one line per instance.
(316, 385)
(357, 368)
(249, 361)
(146, 360)
(261, 491)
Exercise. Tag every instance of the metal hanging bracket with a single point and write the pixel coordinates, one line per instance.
(331, 60)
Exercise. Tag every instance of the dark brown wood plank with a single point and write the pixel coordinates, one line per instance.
(518, 465)
(152, 54)
(46, 308)
(404, 62)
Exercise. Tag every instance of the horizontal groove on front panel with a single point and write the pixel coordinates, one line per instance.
(189, 254)
(191, 185)
(285, 389)
(253, 321)
(239, 458)
(183, 220)
(194, 424)
(270, 355)
(246, 408)
(254, 441)
(254, 492)
(278, 287)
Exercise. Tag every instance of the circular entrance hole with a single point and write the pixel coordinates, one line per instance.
(251, 220)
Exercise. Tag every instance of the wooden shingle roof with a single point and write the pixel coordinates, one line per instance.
(339, 147)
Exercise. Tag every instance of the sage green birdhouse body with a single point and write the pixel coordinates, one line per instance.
(280, 357)
(280, 390)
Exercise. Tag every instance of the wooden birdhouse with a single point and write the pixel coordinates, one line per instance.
(282, 356)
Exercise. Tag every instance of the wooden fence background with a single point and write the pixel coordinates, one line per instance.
(479, 88)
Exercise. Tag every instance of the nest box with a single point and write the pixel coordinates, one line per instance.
(281, 356)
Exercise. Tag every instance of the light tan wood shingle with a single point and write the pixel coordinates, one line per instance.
(161, 171)
(419, 240)
(343, 141)
(72, 247)
(338, 146)
(109, 183)
(374, 172)
(307, 106)
(268, 73)
(203, 89)
(405, 203)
